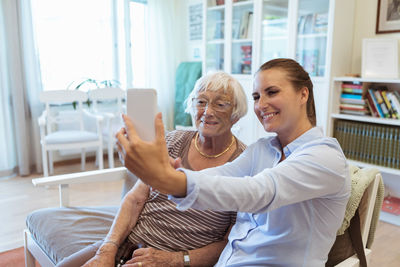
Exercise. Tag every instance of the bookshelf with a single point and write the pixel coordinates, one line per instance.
(370, 141)
(385, 131)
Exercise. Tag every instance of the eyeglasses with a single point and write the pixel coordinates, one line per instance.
(218, 105)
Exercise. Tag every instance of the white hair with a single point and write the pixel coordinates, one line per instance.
(215, 81)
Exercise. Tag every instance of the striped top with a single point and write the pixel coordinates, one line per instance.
(160, 225)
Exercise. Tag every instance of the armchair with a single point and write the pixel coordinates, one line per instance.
(65, 129)
(54, 233)
(107, 102)
(366, 200)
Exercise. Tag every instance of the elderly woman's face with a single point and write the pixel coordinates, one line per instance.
(213, 112)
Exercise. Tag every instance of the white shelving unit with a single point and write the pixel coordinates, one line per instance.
(279, 29)
(391, 176)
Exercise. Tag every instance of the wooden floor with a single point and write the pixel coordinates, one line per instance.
(18, 197)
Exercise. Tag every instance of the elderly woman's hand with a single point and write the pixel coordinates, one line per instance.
(149, 160)
(151, 257)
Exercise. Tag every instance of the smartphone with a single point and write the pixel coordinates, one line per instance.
(141, 108)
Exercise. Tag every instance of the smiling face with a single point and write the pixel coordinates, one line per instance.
(277, 104)
(215, 118)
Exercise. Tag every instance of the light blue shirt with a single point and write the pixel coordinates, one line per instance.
(289, 212)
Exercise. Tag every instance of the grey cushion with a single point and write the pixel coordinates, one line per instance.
(61, 232)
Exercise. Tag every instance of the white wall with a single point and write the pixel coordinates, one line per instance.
(364, 27)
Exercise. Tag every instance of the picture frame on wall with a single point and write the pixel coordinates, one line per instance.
(379, 58)
(388, 16)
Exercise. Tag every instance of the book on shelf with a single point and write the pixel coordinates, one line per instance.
(244, 24)
(313, 23)
(351, 99)
(370, 143)
(354, 112)
(219, 29)
(306, 24)
(379, 99)
(250, 26)
(320, 22)
(351, 85)
(345, 99)
(395, 104)
(391, 205)
(350, 90)
(235, 28)
(353, 107)
(309, 61)
(246, 51)
(371, 95)
(351, 96)
(371, 107)
(392, 113)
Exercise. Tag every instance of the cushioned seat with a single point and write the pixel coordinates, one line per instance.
(61, 232)
(62, 137)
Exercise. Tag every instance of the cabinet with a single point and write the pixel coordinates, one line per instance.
(271, 28)
(368, 141)
(241, 35)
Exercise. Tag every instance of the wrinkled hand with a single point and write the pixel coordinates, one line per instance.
(103, 260)
(149, 160)
(151, 257)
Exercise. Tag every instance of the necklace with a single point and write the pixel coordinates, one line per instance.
(211, 156)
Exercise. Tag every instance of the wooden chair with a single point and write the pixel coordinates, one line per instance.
(107, 102)
(63, 128)
(369, 204)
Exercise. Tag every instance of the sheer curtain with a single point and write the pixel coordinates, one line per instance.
(163, 53)
(22, 80)
(7, 142)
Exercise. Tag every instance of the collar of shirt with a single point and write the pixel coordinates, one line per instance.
(310, 135)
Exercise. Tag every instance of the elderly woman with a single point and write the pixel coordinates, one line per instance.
(148, 219)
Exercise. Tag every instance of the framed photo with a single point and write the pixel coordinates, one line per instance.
(380, 58)
(388, 17)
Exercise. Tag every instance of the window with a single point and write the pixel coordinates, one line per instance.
(138, 42)
(78, 40)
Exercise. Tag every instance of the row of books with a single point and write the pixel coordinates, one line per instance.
(313, 23)
(246, 51)
(351, 99)
(370, 143)
(383, 103)
(376, 102)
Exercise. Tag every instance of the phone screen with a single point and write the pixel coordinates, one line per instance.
(142, 109)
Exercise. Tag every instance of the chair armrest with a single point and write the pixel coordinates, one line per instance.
(42, 119)
(105, 175)
(353, 261)
(99, 120)
(97, 117)
(63, 181)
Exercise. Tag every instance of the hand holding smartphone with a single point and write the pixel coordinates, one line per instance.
(142, 109)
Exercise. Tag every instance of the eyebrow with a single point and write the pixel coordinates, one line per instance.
(267, 89)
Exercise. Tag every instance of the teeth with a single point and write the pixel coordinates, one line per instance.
(269, 115)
